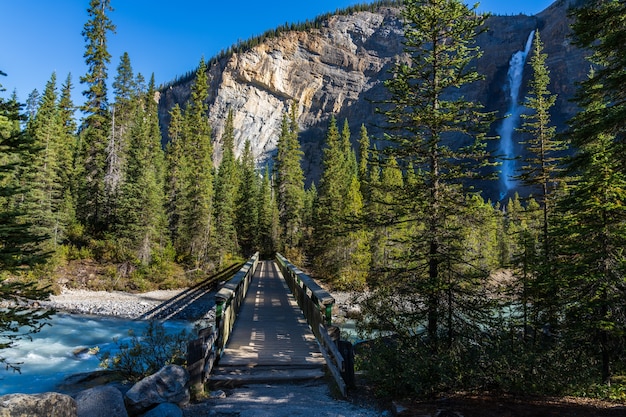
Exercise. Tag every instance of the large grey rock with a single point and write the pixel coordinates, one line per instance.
(169, 385)
(165, 410)
(103, 401)
(49, 404)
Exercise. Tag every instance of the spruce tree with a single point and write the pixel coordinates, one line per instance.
(540, 172)
(19, 245)
(96, 129)
(197, 223)
(247, 214)
(268, 233)
(592, 234)
(441, 135)
(290, 184)
(45, 198)
(226, 189)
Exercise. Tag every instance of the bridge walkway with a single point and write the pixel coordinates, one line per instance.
(271, 339)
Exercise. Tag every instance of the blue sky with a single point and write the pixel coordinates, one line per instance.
(163, 37)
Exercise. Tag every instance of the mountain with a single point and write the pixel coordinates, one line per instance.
(338, 68)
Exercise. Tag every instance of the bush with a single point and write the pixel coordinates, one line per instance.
(143, 356)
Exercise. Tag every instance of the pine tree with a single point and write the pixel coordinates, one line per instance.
(599, 26)
(226, 189)
(268, 233)
(247, 214)
(441, 135)
(95, 132)
(197, 223)
(540, 171)
(175, 166)
(46, 193)
(18, 244)
(66, 158)
(290, 184)
(592, 234)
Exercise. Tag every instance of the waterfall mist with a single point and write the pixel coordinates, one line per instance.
(507, 149)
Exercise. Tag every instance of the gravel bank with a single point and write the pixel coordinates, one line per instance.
(105, 303)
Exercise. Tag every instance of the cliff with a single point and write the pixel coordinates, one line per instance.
(339, 68)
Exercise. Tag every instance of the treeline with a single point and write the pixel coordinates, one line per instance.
(316, 23)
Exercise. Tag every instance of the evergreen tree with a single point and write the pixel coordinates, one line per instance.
(226, 189)
(290, 184)
(247, 214)
(339, 204)
(174, 187)
(540, 171)
(141, 219)
(197, 223)
(18, 242)
(592, 235)
(46, 195)
(599, 26)
(268, 233)
(66, 158)
(441, 135)
(95, 132)
(364, 156)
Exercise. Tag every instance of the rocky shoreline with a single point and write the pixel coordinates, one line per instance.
(108, 303)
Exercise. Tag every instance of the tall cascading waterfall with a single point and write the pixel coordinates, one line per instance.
(511, 121)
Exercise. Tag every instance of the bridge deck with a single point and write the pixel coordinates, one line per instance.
(271, 330)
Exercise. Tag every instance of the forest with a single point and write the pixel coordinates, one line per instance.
(522, 296)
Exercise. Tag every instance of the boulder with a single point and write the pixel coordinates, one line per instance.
(165, 410)
(169, 385)
(103, 401)
(49, 404)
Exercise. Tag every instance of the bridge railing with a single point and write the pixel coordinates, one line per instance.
(317, 305)
(207, 348)
(229, 299)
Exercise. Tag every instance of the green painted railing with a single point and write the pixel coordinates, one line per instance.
(228, 301)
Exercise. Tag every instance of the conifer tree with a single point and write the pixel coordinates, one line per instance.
(175, 165)
(592, 235)
(96, 129)
(197, 231)
(441, 135)
(290, 184)
(247, 214)
(268, 229)
(226, 189)
(66, 157)
(540, 171)
(364, 156)
(18, 244)
(46, 195)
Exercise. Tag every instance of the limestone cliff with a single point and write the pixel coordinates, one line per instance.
(339, 68)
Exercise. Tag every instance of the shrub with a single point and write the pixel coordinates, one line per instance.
(144, 355)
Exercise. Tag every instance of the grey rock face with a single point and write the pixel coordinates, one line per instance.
(49, 404)
(340, 68)
(169, 385)
(103, 401)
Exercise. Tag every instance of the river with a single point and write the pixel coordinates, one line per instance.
(62, 349)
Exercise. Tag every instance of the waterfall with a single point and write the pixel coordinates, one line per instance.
(510, 122)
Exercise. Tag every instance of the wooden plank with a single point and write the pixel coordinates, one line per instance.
(329, 344)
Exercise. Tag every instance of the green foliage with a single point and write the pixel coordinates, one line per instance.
(289, 184)
(145, 355)
(91, 165)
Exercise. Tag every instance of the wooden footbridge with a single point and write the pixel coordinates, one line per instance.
(273, 323)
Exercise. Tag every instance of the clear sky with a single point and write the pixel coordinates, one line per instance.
(164, 37)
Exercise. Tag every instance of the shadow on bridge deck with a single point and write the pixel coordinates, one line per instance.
(271, 339)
